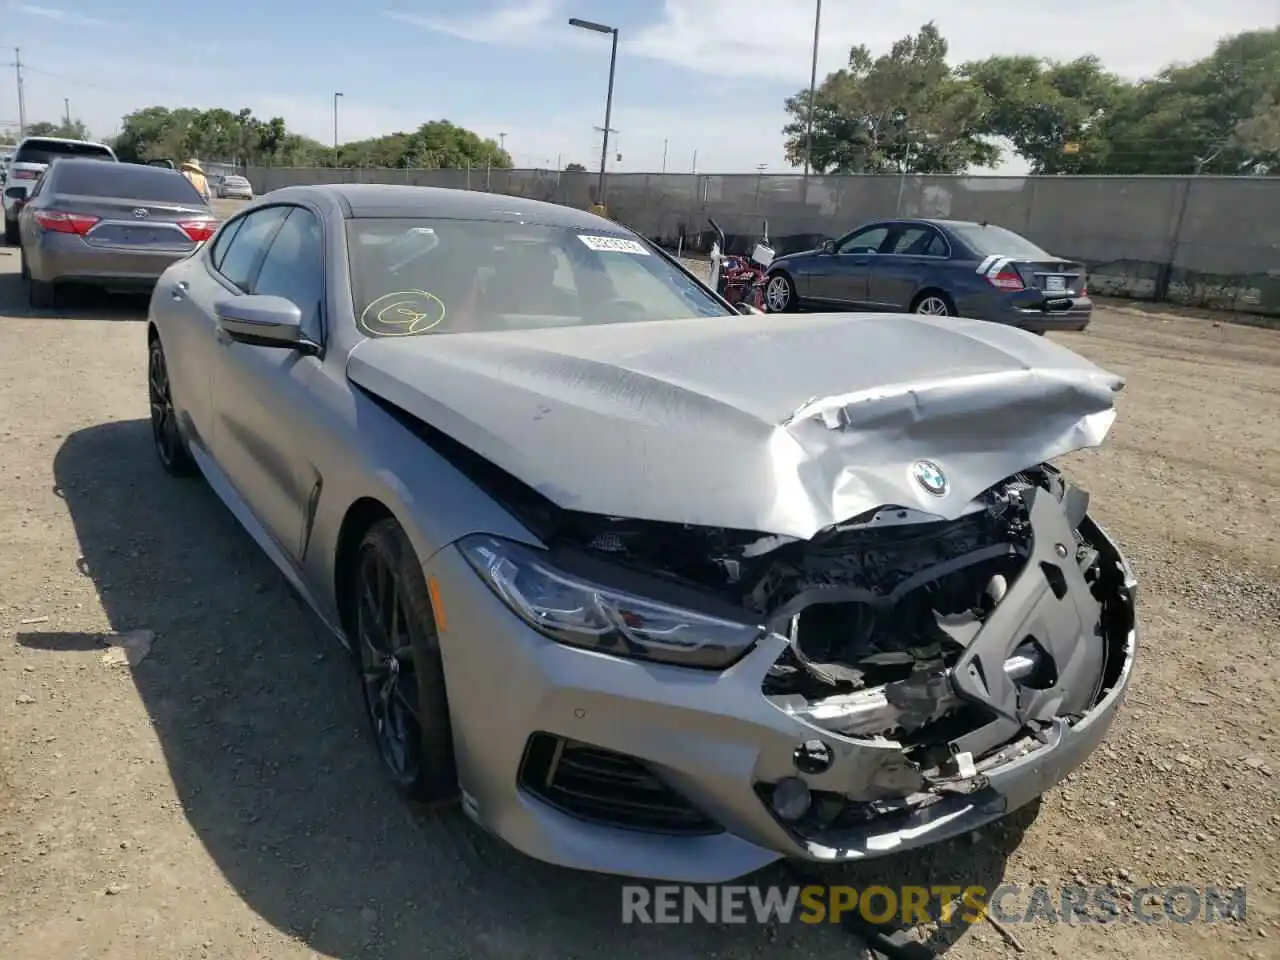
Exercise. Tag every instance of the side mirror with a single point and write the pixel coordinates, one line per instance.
(827, 246)
(263, 321)
(15, 193)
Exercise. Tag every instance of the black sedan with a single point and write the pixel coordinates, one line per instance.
(938, 267)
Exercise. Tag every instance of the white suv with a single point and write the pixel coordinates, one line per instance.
(29, 160)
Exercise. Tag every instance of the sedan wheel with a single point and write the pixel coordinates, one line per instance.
(933, 306)
(779, 295)
(170, 448)
(398, 654)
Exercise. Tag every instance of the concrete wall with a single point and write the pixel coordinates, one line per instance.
(1202, 241)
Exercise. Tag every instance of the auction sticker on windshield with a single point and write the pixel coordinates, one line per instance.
(613, 245)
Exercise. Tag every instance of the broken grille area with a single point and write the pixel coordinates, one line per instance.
(606, 787)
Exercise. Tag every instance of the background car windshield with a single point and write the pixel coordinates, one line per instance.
(126, 180)
(466, 276)
(990, 239)
(46, 151)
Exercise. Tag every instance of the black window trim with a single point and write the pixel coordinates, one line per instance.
(256, 267)
(886, 225)
(901, 226)
(221, 277)
(324, 267)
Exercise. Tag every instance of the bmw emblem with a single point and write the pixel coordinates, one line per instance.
(930, 477)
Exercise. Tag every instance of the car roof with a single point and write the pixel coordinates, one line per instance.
(81, 143)
(401, 200)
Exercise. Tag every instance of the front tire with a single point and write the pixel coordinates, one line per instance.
(780, 294)
(11, 232)
(171, 449)
(397, 649)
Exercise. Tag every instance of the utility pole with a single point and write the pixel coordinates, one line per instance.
(604, 158)
(664, 156)
(22, 99)
(502, 141)
(813, 83)
(66, 106)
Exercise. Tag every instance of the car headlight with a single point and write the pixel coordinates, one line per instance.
(574, 611)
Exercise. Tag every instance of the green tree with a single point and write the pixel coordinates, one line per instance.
(575, 168)
(906, 111)
(439, 144)
(73, 130)
(1217, 115)
(1053, 113)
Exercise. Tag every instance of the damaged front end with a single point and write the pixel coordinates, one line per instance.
(933, 652)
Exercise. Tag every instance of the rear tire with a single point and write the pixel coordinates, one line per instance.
(11, 232)
(780, 294)
(933, 303)
(397, 651)
(41, 294)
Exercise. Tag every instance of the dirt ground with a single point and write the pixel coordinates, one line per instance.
(220, 798)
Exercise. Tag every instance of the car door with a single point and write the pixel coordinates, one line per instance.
(261, 394)
(839, 279)
(186, 295)
(905, 265)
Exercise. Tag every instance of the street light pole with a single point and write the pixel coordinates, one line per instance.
(608, 103)
(335, 128)
(813, 83)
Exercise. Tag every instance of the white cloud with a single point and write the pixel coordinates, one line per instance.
(518, 24)
(1135, 38)
(57, 14)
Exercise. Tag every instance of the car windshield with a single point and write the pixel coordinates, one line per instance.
(467, 276)
(46, 151)
(988, 239)
(125, 180)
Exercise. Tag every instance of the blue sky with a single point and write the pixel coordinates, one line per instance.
(700, 75)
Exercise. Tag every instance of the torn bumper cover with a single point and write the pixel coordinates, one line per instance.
(651, 770)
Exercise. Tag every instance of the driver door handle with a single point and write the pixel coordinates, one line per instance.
(180, 289)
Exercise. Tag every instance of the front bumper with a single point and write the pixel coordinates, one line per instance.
(713, 738)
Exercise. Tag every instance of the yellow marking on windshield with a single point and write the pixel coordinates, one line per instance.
(402, 313)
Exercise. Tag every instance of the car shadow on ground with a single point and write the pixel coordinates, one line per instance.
(260, 719)
(75, 302)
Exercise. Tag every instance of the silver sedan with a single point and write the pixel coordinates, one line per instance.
(639, 583)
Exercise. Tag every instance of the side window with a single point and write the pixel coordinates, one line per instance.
(294, 269)
(248, 244)
(910, 241)
(220, 245)
(865, 241)
(937, 246)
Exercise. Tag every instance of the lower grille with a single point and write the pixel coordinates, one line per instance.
(605, 787)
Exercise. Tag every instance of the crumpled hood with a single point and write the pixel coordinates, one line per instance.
(778, 424)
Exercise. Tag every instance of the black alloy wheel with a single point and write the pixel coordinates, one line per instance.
(402, 674)
(165, 436)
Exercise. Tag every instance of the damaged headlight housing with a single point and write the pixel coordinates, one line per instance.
(574, 611)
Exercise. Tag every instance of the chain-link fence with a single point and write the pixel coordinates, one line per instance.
(1204, 241)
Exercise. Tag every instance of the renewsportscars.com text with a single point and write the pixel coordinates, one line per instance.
(1008, 903)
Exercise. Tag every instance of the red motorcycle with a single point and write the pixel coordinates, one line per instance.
(740, 280)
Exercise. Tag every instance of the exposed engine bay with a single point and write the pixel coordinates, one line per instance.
(881, 612)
